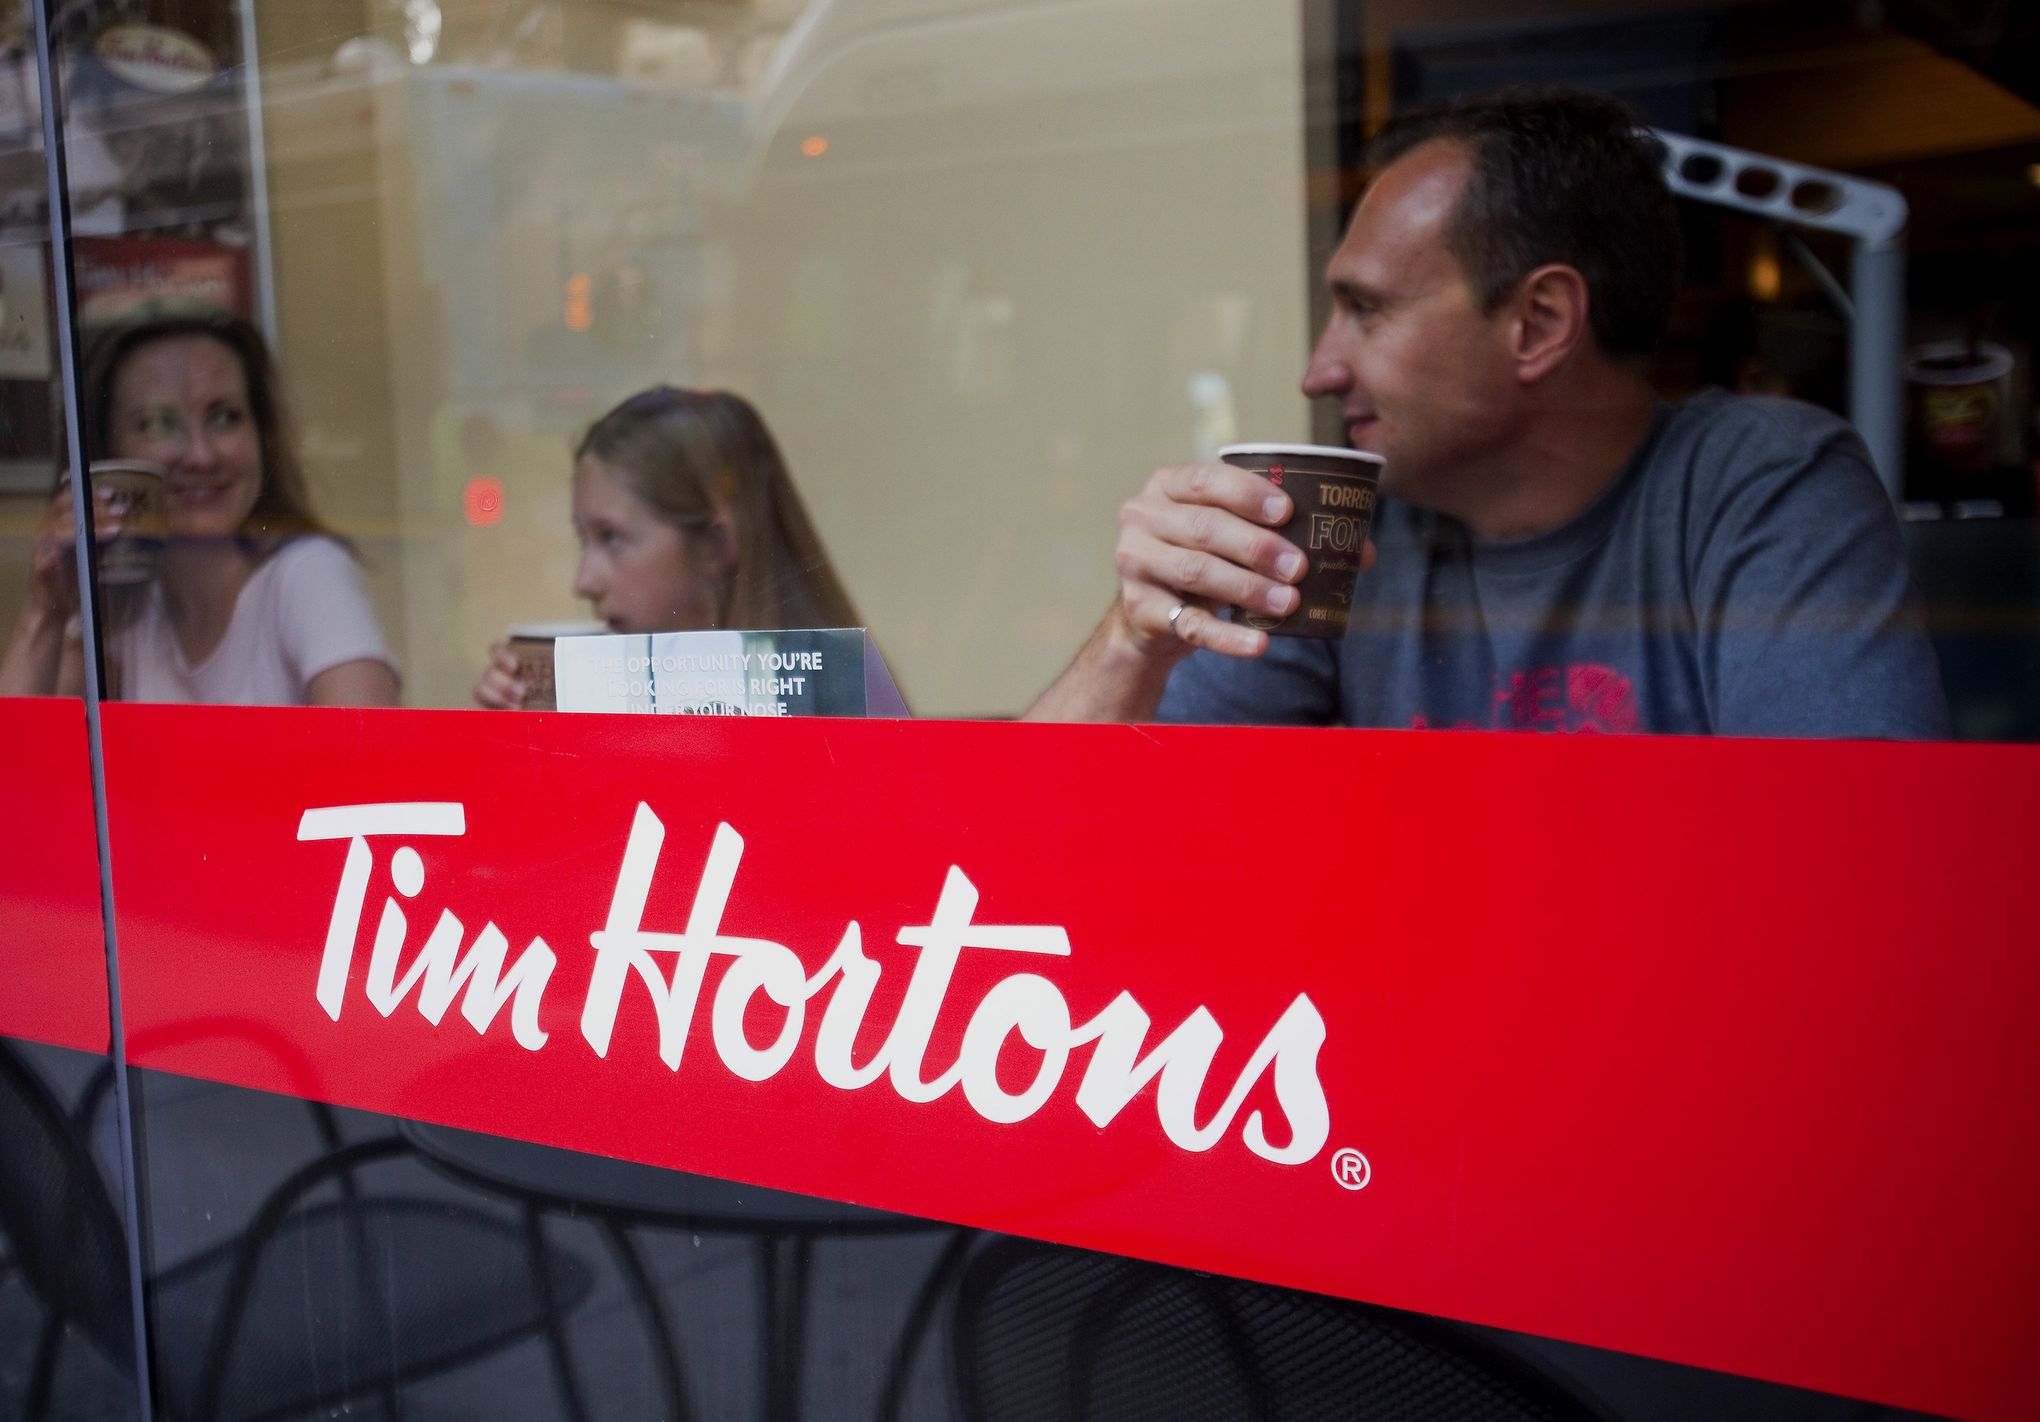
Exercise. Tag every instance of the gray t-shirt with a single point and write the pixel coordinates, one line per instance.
(1742, 576)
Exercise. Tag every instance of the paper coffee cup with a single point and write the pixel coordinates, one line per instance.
(1958, 400)
(130, 490)
(532, 644)
(1333, 491)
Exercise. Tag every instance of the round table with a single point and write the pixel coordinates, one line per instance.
(621, 1193)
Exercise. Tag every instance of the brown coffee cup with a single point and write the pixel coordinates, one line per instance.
(131, 491)
(1333, 492)
(1958, 402)
(532, 644)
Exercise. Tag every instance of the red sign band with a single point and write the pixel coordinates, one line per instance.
(1710, 1051)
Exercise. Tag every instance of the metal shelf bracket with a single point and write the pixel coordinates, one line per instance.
(1873, 217)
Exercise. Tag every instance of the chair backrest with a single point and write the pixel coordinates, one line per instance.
(1051, 1332)
(54, 1210)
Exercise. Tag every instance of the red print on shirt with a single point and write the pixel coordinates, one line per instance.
(1582, 697)
(1600, 699)
(1528, 701)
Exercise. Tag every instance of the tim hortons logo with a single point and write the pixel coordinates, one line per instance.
(671, 968)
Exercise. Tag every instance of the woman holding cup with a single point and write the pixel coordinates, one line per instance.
(687, 519)
(254, 602)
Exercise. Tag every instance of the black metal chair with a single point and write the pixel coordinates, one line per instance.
(315, 1304)
(619, 1196)
(1046, 1332)
(61, 1229)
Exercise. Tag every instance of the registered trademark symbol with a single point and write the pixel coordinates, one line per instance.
(1351, 1170)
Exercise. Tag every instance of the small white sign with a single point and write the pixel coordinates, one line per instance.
(827, 671)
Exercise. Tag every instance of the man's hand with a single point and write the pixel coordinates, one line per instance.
(1197, 537)
(1201, 536)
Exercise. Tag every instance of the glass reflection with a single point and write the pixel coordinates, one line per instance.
(218, 583)
(982, 264)
(686, 519)
(256, 601)
(66, 1321)
(334, 1259)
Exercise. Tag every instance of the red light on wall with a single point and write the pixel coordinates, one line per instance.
(579, 313)
(483, 501)
(814, 147)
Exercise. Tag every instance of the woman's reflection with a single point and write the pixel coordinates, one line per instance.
(256, 602)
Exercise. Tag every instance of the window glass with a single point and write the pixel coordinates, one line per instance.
(68, 1339)
(67, 1321)
(440, 329)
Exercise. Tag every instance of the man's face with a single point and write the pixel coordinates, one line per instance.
(1422, 376)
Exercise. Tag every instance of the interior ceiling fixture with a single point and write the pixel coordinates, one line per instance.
(2000, 38)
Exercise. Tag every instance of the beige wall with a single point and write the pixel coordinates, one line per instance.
(1048, 249)
(332, 341)
(1042, 236)
(18, 513)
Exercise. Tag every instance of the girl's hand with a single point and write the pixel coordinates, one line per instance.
(498, 688)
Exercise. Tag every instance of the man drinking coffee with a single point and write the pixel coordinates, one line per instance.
(1555, 548)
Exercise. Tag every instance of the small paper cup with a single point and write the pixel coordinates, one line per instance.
(130, 490)
(532, 644)
(1333, 491)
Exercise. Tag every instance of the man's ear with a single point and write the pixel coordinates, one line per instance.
(1550, 320)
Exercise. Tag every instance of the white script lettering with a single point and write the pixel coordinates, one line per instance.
(1021, 1009)
(439, 965)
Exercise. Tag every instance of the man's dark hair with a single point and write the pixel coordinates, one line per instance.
(1559, 175)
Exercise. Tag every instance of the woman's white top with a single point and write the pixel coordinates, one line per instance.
(305, 610)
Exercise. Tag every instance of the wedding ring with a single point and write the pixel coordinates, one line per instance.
(1174, 613)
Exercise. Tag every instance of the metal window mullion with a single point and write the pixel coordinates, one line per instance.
(258, 172)
(55, 174)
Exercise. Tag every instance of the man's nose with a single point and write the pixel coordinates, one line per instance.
(1327, 371)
